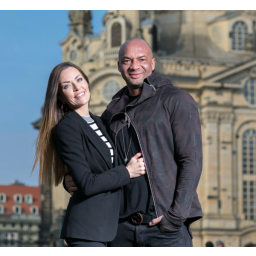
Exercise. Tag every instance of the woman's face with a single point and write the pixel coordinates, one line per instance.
(74, 90)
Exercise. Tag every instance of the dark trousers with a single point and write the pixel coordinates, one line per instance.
(73, 242)
(144, 235)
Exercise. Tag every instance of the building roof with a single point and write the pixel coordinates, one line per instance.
(11, 190)
(195, 44)
(227, 15)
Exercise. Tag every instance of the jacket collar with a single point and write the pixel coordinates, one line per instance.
(99, 144)
(121, 99)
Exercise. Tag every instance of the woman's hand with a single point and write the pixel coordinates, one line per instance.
(70, 185)
(136, 166)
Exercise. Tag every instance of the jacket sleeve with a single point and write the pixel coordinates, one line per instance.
(71, 151)
(104, 118)
(186, 130)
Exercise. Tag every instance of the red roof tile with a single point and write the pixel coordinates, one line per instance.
(11, 190)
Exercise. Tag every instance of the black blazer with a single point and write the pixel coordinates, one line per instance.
(93, 210)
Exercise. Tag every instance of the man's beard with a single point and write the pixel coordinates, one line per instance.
(133, 84)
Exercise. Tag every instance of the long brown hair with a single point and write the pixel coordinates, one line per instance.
(51, 167)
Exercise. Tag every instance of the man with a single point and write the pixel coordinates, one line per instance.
(209, 244)
(152, 116)
(219, 243)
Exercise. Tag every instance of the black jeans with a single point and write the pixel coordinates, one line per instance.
(74, 242)
(144, 235)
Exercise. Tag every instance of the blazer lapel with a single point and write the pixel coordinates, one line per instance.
(102, 127)
(98, 143)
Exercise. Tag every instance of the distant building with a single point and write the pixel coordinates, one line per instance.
(211, 55)
(20, 219)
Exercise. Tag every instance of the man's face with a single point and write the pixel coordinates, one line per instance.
(136, 63)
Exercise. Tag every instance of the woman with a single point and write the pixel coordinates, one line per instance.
(72, 136)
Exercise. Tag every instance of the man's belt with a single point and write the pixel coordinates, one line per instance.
(139, 218)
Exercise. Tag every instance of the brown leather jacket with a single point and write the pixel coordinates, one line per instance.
(167, 123)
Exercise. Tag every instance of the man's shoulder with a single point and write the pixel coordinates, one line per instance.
(165, 84)
(159, 80)
(172, 94)
(172, 90)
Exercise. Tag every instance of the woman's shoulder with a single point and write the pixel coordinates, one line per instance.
(67, 124)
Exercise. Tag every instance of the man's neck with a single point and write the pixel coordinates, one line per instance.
(134, 92)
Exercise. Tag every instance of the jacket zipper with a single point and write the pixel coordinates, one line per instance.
(119, 129)
(129, 120)
(150, 185)
(116, 136)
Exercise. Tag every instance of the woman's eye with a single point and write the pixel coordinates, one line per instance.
(66, 86)
(79, 79)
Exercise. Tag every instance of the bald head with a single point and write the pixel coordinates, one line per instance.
(135, 63)
(130, 42)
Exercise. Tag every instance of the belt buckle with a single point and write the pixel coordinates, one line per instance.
(136, 219)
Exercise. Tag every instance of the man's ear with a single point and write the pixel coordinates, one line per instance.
(118, 66)
(153, 63)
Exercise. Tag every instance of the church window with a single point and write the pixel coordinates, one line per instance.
(116, 34)
(73, 55)
(250, 91)
(110, 88)
(249, 168)
(239, 35)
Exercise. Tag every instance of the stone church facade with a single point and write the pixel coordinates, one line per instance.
(212, 56)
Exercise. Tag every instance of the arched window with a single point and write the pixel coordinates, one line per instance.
(154, 39)
(110, 89)
(249, 168)
(239, 35)
(34, 210)
(2, 198)
(116, 34)
(28, 199)
(16, 209)
(17, 198)
(250, 91)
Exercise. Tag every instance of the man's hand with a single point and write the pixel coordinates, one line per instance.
(155, 221)
(70, 185)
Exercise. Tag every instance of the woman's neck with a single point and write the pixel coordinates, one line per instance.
(83, 111)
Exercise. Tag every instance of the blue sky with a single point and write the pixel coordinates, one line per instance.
(29, 50)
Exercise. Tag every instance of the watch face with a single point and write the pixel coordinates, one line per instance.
(73, 55)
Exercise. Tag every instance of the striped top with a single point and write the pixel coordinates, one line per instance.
(95, 127)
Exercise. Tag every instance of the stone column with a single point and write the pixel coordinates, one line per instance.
(210, 179)
(226, 155)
